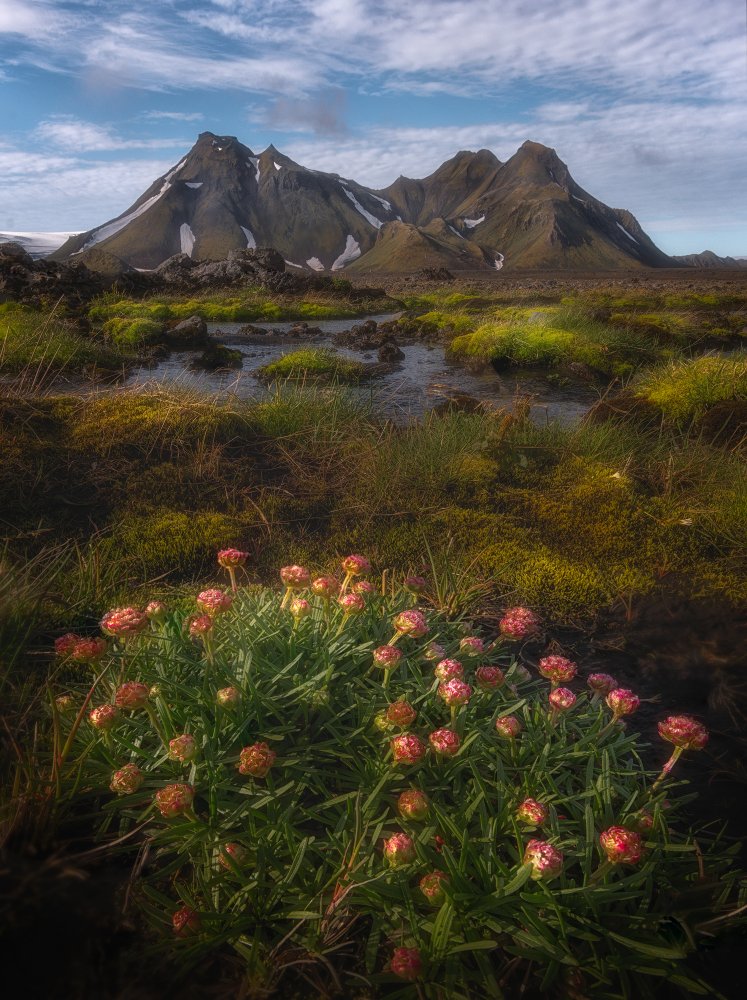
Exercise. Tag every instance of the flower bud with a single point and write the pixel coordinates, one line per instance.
(415, 584)
(64, 646)
(123, 623)
(557, 669)
(433, 651)
(127, 780)
(399, 850)
(381, 721)
(508, 726)
(602, 683)
(683, 731)
(432, 887)
(65, 703)
(156, 611)
(562, 699)
(519, 623)
(364, 588)
(325, 586)
(228, 697)
(622, 702)
(447, 669)
(88, 650)
(387, 657)
(132, 694)
(489, 678)
(300, 608)
(401, 713)
(546, 860)
(352, 604)
(233, 855)
(214, 602)
(532, 812)
(105, 717)
(174, 800)
(454, 692)
(406, 964)
(185, 922)
(622, 846)
(411, 623)
(200, 625)
(256, 760)
(295, 577)
(445, 742)
(183, 748)
(413, 804)
(643, 821)
(471, 645)
(232, 558)
(356, 565)
(407, 749)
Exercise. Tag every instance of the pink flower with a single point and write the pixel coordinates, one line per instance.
(355, 565)
(434, 652)
(448, 669)
(105, 717)
(228, 697)
(508, 726)
(325, 586)
(411, 623)
(256, 760)
(406, 964)
(546, 860)
(684, 732)
(413, 804)
(518, 623)
(445, 742)
(132, 694)
(415, 584)
(399, 850)
(127, 780)
(185, 922)
(489, 678)
(231, 558)
(300, 608)
(200, 625)
(532, 812)
(155, 611)
(387, 657)
(407, 748)
(174, 800)
(352, 604)
(123, 623)
(472, 646)
(295, 577)
(401, 713)
(233, 855)
(602, 683)
(562, 699)
(621, 846)
(363, 587)
(88, 650)
(214, 602)
(454, 692)
(557, 669)
(183, 748)
(432, 887)
(622, 702)
(65, 644)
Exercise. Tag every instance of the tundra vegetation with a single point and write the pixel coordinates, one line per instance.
(115, 498)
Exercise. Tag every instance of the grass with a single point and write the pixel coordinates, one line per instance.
(684, 389)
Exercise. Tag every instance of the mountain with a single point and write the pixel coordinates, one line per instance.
(36, 244)
(707, 258)
(473, 212)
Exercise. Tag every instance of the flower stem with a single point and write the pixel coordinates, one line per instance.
(668, 767)
(156, 724)
(232, 574)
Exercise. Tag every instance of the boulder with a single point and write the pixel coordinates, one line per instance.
(15, 252)
(104, 263)
(175, 270)
(191, 332)
(217, 356)
(389, 351)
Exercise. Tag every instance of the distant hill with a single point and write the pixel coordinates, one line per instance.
(473, 212)
(709, 259)
(36, 244)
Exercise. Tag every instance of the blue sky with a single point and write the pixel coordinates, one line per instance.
(645, 101)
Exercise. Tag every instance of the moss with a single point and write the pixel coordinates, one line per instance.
(133, 333)
(684, 390)
(313, 362)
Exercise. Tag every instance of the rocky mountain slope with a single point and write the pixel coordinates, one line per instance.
(473, 212)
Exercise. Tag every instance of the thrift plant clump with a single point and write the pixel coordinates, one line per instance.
(342, 785)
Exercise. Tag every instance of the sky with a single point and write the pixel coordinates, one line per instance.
(645, 101)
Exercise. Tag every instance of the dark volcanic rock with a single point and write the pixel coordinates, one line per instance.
(15, 252)
(104, 263)
(217, 356)
(191, 332)
(389, 351)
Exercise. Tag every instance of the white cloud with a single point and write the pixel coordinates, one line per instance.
(174, 116)
(68, 133)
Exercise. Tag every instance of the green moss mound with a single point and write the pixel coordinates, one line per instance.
(313, 363)
(684, 390)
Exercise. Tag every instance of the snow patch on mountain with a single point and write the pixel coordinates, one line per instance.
(629, 235)
(37, 244)
(350, 253)
(499, 261)
(187, 238)
(175, 171)
(457, 233)
(291, 264)
(315, 264)
(471, 223)
(194, 184)
(387, 204)
(112, 228)
(251, 243)
(253, 161)
(276, 165)
(359, 208)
